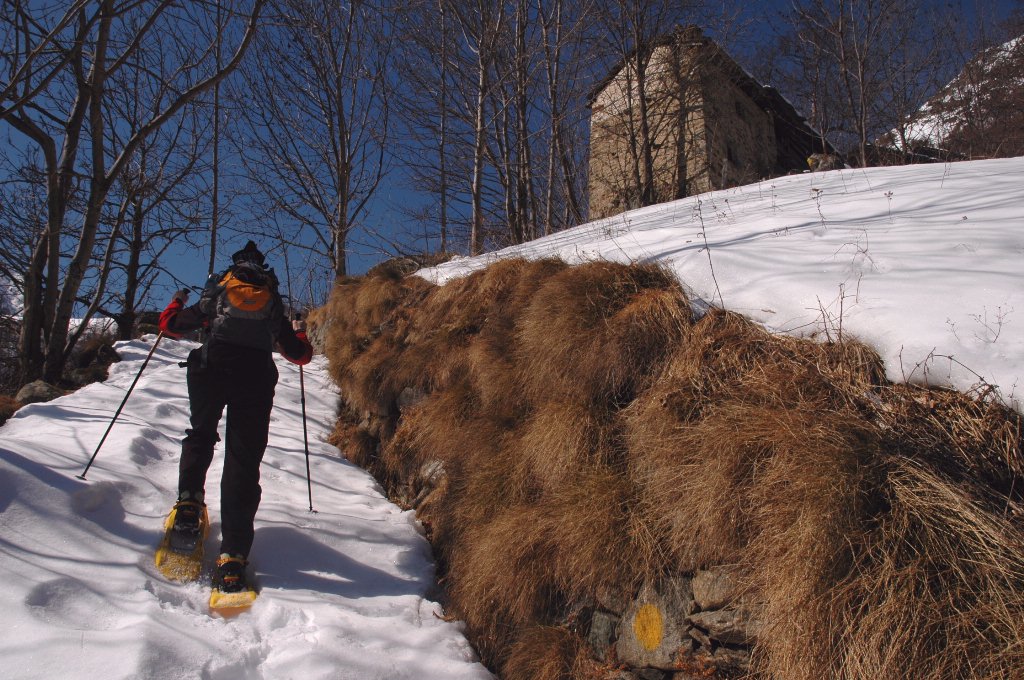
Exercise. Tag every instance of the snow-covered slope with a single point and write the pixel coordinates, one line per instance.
(343, 590)
(925, 263)
(994, 71)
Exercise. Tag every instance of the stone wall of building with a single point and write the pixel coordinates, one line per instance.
(708, 132)
(615, 125)
(741, 136)
(677, 128)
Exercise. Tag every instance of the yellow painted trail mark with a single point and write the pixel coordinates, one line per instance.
(647, 624)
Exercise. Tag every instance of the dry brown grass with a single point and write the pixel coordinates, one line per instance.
(727, 357)
(449, 428)
(593, 436)
(593, 332)
(472, 322)
(317, 323)
(937, 591)
(492, 354)
(8, 407)
(357, 445)
(701, 483)
(973, 438)
(483, 485)
(541, 653)
(366, 381)
(443, 426)
(361, 309)
(500, 581)
(599, 549)
(559, 438)
(524, 564)
(804, 510)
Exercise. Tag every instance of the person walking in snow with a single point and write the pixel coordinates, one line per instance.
(233, 369)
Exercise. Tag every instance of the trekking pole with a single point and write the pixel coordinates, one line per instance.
(305, 435)
(124, 401)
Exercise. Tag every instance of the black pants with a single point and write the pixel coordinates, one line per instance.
(242, 380)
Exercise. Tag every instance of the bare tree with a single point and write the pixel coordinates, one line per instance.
(150, 208)
(807, 80)
(516, 73)
(869, 64)
(564, 45)
(318, 117)
(442, 137)
(492, 99)
(22, 220)
(430, 78)
(917, 63)
(61, 109)
(215, 211)
(480, 23)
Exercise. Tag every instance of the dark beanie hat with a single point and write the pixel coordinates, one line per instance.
(250, 253)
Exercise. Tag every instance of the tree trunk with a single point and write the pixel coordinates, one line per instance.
(90, 100)
(53, 364)
(215, 199)
(126, 320)
(479, 132)
(646, 143)
(526, 197)
(442, 142)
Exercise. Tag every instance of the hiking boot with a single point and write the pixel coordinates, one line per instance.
(229, 576)
(187, 517)
(188, 529)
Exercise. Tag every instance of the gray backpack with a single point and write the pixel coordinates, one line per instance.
(243, 306)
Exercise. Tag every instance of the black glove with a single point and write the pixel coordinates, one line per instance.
(182, 295)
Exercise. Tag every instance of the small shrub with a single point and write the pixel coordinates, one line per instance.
(91, 359)
(8, 407)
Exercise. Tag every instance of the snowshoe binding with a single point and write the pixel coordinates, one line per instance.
(231, 593)
(179, 557)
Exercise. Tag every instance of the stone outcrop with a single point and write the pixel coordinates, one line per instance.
(691, 621)
(36, 392)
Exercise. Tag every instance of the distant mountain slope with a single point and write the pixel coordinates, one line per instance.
(980, 113)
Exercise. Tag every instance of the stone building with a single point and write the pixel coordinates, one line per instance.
(710, 125)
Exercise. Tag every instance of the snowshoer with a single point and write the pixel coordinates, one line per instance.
(233, 369)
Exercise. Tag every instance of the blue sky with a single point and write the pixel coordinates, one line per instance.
(387, 215)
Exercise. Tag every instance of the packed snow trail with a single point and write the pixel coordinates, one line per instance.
(343, 590)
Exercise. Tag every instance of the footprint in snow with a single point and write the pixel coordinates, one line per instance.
(142, 450)
(70, 603)
(8, 491)
(166, 410)
(103, 503)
